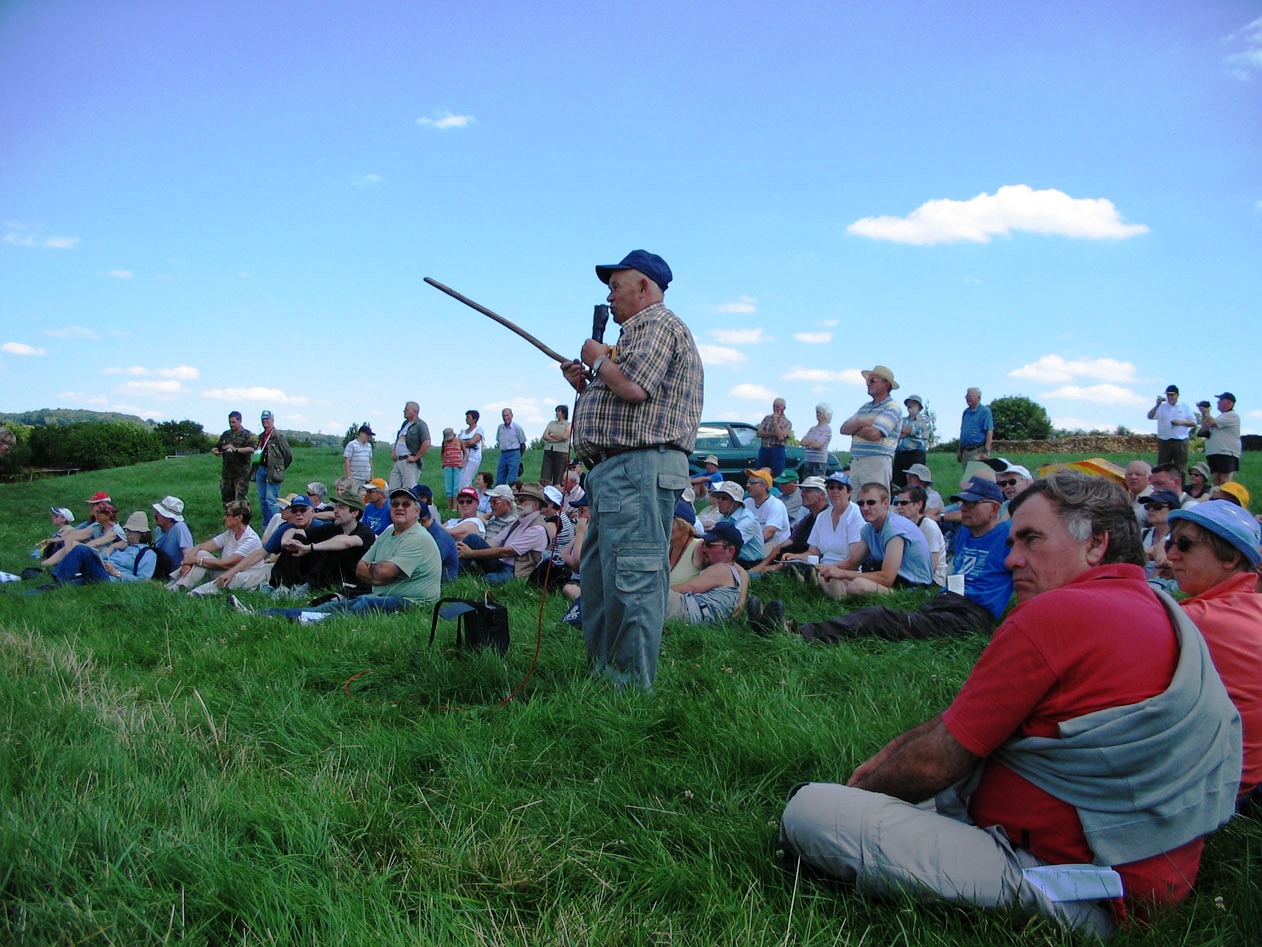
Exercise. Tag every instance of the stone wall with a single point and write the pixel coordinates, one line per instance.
(1137, 445)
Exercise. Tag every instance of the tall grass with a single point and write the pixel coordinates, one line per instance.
(172, 771)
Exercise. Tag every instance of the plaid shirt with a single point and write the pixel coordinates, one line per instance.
(657, 352)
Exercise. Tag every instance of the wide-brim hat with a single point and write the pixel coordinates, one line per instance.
(882, 372)
(730, 489)
(1228, 521)
(921, 471)
(916, 398)
(813, 483)
(531, 491)
(171, 507)
(137, 522)
(711, 459)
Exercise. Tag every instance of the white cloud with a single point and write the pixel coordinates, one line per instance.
(739, 336)
(847, 376)
(742, 306)
(166, 387)
(1080, 424)
(72, 332)
(20, 348)
(721, 355)
(1101, 394)
(1247, 61)
(366, 180)
(20, 235)
(256, 394)
(814, 338)
(179, 372)
(830, 323)
(443, 120)
(1014, 207)
(119, 274)
(1056, 368)
(753, 392)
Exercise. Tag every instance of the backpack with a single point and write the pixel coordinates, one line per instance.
(162, 568)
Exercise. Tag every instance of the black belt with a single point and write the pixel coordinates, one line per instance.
(598, 456)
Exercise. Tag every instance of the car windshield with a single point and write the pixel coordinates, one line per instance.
(710, 437)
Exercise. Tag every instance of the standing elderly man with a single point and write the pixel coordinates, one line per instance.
(269, 462)
(1105, 738)
(634, 425)
(1175, 424)
(235, 446)
(1222, 447)
(511, 441)
(774, 431)
(408, 452)
(873, 430)
(977, 429)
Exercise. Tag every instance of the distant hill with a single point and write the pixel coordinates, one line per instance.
(55, 417)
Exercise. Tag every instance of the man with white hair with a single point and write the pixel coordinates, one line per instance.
(873, 430)
(977, 429)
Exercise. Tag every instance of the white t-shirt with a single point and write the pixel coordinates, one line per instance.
(771, 513)
(832, 542)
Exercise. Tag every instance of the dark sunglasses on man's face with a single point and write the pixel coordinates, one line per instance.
(866, 502)
(1006, 483)
(465, 500)
(400, 504)
(900, 502)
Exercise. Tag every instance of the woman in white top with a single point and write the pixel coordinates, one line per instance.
(815, 443)
(471, 439)
(835, 535)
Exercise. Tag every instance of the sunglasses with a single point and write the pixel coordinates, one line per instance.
(900, 502)
(400, 504)
(1183, 543)
(467, 500)
(866, 502)
(1007, 483)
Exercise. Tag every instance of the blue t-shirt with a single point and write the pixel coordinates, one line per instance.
(979, 559)
(917, 564)
(447, 549)
(974, 425)
(174, 541)
(376, 519)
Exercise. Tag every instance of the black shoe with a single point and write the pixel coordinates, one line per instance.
(773, 616)
(753, 610)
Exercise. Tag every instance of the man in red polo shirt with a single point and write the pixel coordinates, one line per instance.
(1099, 739)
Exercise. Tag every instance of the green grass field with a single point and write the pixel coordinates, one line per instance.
(172, 771)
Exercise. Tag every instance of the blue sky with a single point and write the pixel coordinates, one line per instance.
(232, 205)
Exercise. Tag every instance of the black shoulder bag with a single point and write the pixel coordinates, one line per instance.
(479, 624)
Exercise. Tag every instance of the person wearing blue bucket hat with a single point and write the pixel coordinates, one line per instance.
(1213, 549)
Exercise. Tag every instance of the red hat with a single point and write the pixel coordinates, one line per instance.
(99, 497)
(469, 492)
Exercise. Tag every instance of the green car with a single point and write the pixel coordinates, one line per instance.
(736, 444)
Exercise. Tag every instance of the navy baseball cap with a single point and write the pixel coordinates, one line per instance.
(684, 511)
(979, 488)
(724, 532)
(300, 499)
(650, 264)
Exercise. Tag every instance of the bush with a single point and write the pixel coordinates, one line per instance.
(1017, 418)
(183, 437)
(95, 445)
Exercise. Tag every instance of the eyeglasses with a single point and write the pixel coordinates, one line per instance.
(1007, 483)
(900, 502)
(400, 504)
(466, 500)
(866, 502)
(1183, 543)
